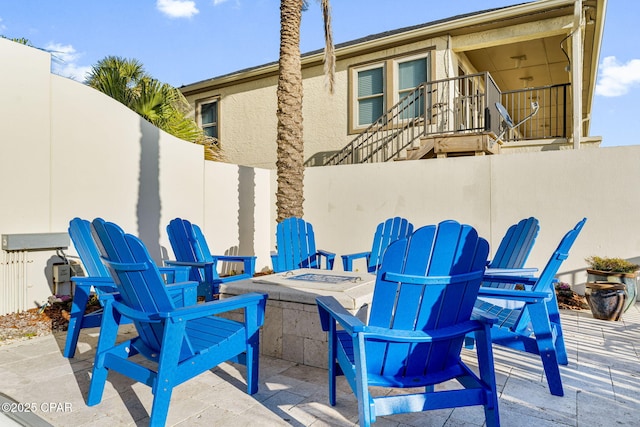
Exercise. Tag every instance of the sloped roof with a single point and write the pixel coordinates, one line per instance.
(362, 40)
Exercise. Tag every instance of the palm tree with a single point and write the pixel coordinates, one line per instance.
(290, 154)
(126, 81)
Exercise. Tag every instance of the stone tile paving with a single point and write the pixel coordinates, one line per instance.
(601, 382)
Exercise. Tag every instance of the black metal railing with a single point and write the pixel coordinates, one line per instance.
(552, 120)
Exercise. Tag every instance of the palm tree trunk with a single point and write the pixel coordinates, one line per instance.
(290, 162)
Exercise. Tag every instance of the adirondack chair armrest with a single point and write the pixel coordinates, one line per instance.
(410, 336)
(132, 314)
(210, 268)
(328, 256)
(347, 260)
(512, 294)
(188, 263)
(249, 262)
(516, 280)
(431, 280)
(329, 308)
(218, 306)
(104, 284)
(525, 272)
(183, 293)
(175, 274)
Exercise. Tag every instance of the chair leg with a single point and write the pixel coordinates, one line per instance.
(331, 359)
(160, 406)
(162, 389)
(554, 318)
(253, 363)
(546, 347)
(484, 353)
(106, 341)
(78, 307)
(362, 385)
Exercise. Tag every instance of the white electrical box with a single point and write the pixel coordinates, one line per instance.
(61, 273)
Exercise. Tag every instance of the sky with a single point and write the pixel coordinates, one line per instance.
(185, 41)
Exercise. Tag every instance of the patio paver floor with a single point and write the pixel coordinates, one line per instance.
(601, 383)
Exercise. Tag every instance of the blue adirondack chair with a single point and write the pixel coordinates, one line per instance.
(178, 342)
(421, 310)
(535, 326)
(296, 247)
(190, 249)
(97, 277)
(388, 231)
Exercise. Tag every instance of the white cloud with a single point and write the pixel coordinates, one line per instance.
(177, 8)
(217, 2)
(617, 79)
(64, 62)
(2, 26)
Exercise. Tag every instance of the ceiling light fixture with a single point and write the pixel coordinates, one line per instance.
(519, 60)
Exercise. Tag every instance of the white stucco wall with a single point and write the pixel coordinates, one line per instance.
(345, 203)
(68, 150)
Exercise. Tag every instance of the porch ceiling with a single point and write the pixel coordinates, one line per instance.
(531, 63)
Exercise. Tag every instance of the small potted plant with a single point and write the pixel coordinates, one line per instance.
(611, 286)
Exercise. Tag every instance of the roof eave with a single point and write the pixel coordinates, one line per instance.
(382, 42)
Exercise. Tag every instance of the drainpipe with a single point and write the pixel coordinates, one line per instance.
(576, 73)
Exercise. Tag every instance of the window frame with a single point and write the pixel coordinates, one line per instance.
(198, 112)
(355, 96)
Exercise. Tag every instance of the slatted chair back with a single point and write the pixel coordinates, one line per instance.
(516, 245)
(189, 245)
(456, 250)
(296, 247)
(80, 233)
(387, 232)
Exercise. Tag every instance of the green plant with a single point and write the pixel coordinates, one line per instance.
(618, 265)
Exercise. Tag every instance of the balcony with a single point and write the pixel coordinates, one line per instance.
(455, 107)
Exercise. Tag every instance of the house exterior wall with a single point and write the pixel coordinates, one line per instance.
(520, 45)
(248, 123)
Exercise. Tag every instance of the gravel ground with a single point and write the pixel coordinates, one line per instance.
(32, 323)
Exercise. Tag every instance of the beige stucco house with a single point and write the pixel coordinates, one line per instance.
(449, 75)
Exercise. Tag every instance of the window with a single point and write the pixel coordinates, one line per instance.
(377, 87)
(411, 74)
(208, 117)
(370, 95)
